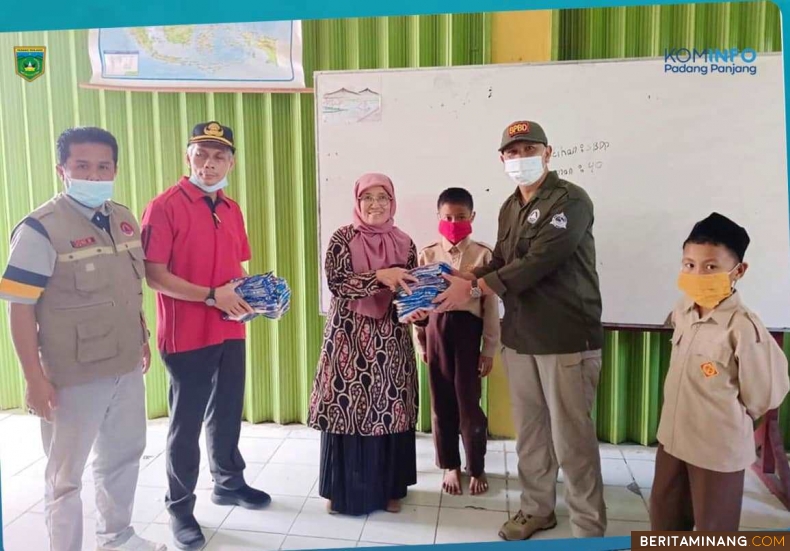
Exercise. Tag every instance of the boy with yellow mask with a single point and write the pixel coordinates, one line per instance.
(725, 372)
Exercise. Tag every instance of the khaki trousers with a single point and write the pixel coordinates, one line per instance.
(107, 416)
(552, 398)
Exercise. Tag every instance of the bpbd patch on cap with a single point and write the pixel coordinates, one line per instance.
(82, 243)
(518, 128)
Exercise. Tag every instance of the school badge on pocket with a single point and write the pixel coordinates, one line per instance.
(709, 370)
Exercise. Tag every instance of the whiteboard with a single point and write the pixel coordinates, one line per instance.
(656, 152)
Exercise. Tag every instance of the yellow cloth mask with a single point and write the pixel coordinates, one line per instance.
(707, 290)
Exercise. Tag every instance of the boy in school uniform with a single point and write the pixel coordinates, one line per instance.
(450, 343)
(726, 371)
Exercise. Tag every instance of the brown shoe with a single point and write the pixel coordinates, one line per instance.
(523, 527)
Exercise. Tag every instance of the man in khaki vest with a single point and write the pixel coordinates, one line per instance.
(74, 284)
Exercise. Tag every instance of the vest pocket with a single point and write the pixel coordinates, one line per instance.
(96, 341)
(89, 278)
(138, 264)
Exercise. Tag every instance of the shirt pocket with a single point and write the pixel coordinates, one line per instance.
(711, 362)
(525, 240)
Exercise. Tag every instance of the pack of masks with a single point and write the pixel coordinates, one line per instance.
(268, 295)
(430, 283)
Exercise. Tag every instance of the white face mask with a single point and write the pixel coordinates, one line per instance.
(525, 171)
(209, 189)
(88, 192)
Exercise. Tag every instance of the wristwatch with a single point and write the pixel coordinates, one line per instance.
(210, 300)
(475, 291)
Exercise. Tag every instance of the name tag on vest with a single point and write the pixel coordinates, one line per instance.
(84, 242)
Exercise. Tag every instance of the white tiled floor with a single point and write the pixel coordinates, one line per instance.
(283, 460)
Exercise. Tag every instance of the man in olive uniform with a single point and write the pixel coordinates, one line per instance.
(543, 268)
(74, 280)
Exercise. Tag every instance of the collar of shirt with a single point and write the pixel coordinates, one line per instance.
(195, 193)
(544, 190)
(90, 212)
(721, 315)
(461, 247)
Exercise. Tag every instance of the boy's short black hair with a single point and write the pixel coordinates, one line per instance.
(84, 134)
(456, 196)
(720, 231)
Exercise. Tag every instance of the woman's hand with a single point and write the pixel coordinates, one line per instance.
(416, 317)
(392, 278)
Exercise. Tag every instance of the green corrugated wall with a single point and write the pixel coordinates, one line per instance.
(274, 180)
(275, 177)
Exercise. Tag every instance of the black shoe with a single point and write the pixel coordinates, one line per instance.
(246, 497)
(187, 534)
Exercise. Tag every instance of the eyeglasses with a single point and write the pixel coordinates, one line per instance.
(369, 199)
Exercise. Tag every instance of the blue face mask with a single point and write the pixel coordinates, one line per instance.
(209, 189)
(91, 194)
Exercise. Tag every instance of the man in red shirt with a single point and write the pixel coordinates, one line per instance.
(195, 242)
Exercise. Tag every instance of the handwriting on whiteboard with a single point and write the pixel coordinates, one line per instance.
(580, 159)
(593, 147)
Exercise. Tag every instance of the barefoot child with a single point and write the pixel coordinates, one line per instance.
(726, 371)
(450, 343)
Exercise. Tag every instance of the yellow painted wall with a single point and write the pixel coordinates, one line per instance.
(517, 37)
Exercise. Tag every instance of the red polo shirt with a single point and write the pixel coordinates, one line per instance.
(203, 247)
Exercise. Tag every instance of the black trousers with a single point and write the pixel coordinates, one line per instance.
(453, 350)
(205, 384)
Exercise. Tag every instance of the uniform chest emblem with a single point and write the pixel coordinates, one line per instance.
(559, 221)
(127, 229)
(82, 243)
(709, 370)
(534, 216)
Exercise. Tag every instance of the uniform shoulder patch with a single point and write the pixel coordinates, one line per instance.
(559, 221)
(577, 193)
(41, 211)
(750, 324)
(486, 246)
(426, 248)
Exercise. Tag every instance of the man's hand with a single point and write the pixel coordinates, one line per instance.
(40, 397)
(146, 358)
(455, 295)
(230, 302)
(486, 365)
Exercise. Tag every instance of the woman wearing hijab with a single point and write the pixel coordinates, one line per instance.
(364, 398)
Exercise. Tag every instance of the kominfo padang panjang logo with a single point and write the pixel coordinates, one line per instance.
(710, 61)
